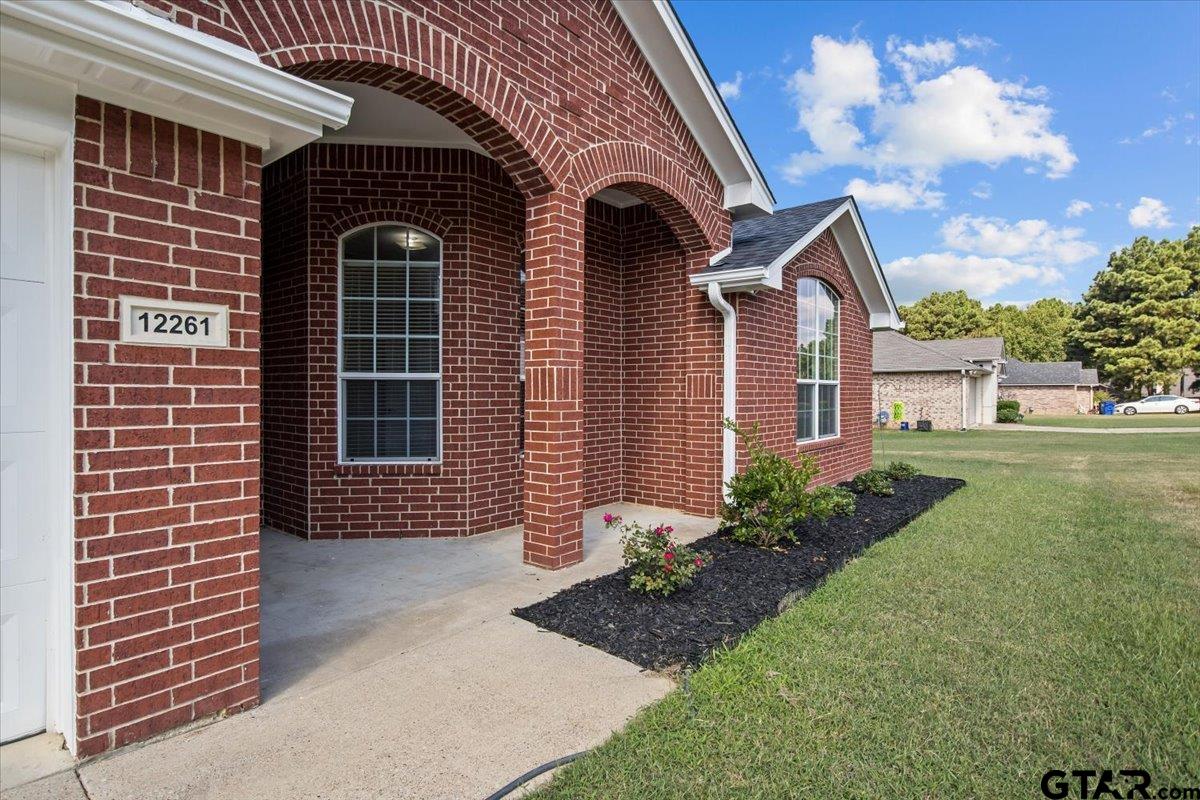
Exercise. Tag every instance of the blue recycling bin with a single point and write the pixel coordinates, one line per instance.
(903, 426)
(1107, 407)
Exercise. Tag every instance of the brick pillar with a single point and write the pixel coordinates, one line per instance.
(704, 386)
(554, 228)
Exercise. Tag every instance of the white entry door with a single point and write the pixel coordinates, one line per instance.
(27, 497)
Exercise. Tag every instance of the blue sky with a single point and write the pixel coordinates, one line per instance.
(1004, 149)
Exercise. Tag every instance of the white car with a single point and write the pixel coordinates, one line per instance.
(1160, 404)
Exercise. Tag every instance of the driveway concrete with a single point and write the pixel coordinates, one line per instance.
(394, 669)
(1016, 426)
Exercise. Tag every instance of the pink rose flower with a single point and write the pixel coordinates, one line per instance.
(699, 562)
(667, 556)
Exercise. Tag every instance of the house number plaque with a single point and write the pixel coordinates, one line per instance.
(146, 320)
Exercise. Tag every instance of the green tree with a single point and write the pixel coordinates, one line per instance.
(1039, 332)
(944, 315)
(1140, 320)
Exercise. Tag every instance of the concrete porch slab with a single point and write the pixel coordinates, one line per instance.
(394, 669)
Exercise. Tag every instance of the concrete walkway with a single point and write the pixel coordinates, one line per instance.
(394, 669)
(1016, 426)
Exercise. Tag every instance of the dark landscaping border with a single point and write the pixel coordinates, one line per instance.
(742, 586)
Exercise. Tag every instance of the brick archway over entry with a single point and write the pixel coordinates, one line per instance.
(563, 100)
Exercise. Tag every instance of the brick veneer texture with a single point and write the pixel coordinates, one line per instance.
(634, 384)
(767, 365)
(166, 438)
(935, 396)
(1049, 400)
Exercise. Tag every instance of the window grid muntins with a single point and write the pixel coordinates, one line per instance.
(389, 348)
(817, 360)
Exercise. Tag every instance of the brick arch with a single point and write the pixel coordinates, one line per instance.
(395, 211)
(384, 46)
(655, 179)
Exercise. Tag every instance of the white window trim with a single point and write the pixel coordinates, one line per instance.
(817, 381)
(342, 376)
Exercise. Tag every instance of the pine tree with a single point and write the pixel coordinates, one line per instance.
(1140, 320)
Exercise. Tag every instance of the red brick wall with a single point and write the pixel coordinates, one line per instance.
(634, 387)
(656, 359)
(465, 199)
(166, 438)
(285, 356)
(604, 317)
(767, 365)
(544, 80)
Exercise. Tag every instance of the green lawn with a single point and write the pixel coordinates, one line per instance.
(1117, 420)
(1045, 616)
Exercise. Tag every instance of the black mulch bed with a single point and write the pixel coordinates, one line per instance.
(740, 587)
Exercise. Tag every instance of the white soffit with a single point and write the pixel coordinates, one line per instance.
(118, 53)
(667, 48)
(383, 117)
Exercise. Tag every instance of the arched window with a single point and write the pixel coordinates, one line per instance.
(817, 321)
(389, 345)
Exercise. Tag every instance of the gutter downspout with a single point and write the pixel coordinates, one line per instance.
(729, 384)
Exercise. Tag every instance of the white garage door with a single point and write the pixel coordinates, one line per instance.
(26, 481)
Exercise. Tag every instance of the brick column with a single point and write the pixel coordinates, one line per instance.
(554, 229)
(704, 386)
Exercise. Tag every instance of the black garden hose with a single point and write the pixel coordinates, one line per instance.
(533, 773)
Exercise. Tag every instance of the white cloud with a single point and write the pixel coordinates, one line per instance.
(1150, 212)
(731, 90)
(1077, 208)
(894, 195)
(914, 277)
(914, 60)
(982, 190)
(984, 255)
(1033, 240)
(938, 116)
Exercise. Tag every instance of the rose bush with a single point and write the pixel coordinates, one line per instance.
(659, 564)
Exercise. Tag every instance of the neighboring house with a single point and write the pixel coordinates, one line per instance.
(361, 270)
(1053, 387)
(951, 382)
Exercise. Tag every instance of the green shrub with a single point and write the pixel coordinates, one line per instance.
(900, 471)
(873, 481)
(1009, 415)
(826, 501)
(1015, 405)
(660, 564)
(770, 498)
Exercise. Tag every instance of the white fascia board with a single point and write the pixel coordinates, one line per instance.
(670, 53)
(852, 239)
(124, 55)
(868, 250)
(747, 279)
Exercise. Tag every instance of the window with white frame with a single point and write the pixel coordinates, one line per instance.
(817, 320)
(389, 345)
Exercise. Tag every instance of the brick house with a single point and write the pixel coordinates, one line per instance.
(951, 382)
(1051, 387)
(371, 269)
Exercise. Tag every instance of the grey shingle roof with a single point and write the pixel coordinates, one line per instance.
(1049, 373)
(895, 352)
(759, 241)
(1090, 377)
(985, 348)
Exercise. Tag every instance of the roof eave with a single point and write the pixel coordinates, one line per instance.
(852, 240)
(120, 53)
(669, 50)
